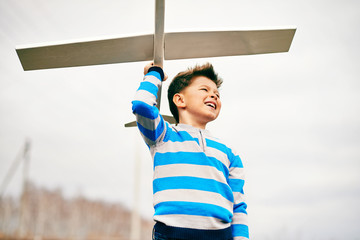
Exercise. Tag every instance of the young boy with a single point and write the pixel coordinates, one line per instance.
(198, 181)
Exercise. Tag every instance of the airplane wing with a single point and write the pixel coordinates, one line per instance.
(179, 45)
(226, 43)
(88, 52)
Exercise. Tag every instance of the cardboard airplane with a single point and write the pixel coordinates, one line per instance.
(156, 47)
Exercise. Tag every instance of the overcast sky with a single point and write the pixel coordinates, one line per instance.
(293, 117)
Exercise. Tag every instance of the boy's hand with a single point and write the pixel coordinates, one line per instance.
(149, 65)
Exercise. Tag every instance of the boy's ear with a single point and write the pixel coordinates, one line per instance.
(179, 100)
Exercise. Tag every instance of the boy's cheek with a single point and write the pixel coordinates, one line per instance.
(219, 105)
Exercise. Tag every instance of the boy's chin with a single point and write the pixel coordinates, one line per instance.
(211, 117)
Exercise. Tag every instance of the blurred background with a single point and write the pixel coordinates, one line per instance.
(68, 166)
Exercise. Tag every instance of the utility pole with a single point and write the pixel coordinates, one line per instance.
(22, 155)
(24, 213)
(135, 230)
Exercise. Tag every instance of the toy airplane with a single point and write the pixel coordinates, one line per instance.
(156, 47)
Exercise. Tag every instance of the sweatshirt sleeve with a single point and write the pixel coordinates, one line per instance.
(236, 181)
(150, 123)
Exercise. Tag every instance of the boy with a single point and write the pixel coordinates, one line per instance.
(198, 181)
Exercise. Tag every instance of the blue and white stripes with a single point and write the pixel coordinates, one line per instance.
(198, 181)
(149, 121)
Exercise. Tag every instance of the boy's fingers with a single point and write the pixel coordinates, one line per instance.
(146, 68)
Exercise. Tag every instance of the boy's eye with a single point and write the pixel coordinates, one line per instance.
(204, 89)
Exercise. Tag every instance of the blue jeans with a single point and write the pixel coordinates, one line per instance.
(159, 236)
(163, 232)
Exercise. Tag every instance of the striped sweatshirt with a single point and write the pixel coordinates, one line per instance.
(198, 181)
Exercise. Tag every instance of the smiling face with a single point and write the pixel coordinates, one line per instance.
(199, 103)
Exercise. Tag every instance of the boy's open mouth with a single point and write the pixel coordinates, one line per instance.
(211, 104)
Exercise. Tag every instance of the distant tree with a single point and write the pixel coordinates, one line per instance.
(48, 214)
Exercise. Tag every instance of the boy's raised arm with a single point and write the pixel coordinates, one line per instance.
(150, 123)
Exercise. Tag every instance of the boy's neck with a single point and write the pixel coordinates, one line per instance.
(193, 123)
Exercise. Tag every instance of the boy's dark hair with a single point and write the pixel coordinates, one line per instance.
(183, 79)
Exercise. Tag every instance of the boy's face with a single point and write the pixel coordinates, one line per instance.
(202, 99)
